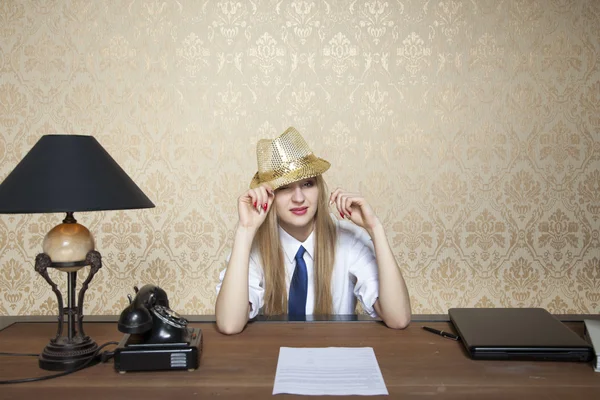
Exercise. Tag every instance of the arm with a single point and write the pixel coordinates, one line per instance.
(393, 304)
(233, 306)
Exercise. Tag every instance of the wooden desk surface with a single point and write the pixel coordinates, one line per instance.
(414, 364)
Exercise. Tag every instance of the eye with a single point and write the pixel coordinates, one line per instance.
(309, 183)
(282, 188)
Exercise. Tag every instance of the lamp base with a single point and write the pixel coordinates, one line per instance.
(66, 353)
(60, 355)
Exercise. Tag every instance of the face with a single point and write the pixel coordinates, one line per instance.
(296, 206)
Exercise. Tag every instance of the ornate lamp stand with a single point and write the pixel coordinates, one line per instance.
(65, 353)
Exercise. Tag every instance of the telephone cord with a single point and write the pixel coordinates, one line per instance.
(45, 377)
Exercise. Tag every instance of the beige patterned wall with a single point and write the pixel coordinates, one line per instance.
(473, 127)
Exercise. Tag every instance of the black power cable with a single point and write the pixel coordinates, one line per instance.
(104, 358)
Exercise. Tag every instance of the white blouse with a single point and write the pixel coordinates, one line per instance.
(355, 274)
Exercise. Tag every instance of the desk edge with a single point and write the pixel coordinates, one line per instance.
(6, 321)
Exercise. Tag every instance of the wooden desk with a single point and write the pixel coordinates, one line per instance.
(414, 364)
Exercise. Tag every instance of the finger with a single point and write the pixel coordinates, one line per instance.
(268, 188)
(346, 203)
(247, 198)
(267, 196)
(349, 203)
(262, 199)
(270, 199)
(339, 203)
(346, 206)
(333, 196)
(253, 198)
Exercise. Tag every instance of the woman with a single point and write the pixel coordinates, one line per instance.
(291, 256)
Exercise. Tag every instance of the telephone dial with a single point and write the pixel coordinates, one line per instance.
(156, 337)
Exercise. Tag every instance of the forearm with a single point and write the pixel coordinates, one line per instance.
(393, 305)
(232, 304)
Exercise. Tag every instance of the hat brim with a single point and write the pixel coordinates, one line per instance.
(310, 170)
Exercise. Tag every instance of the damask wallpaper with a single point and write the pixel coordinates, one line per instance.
(472, 127)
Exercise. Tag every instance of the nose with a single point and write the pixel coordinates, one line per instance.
(298, 195)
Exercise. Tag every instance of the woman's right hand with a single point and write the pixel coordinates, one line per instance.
(254, 205)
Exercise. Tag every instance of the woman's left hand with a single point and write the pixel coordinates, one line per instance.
(354, 207)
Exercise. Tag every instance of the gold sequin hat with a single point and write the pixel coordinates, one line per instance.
(286, 159)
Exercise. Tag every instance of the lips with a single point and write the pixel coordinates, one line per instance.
(299, 210)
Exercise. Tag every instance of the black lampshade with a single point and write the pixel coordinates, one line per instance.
(64, 173)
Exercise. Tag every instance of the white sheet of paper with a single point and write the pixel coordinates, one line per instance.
(328, 371)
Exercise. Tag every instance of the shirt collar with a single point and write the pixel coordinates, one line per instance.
(291, 245)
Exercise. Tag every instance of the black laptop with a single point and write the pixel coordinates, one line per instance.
(517, 334)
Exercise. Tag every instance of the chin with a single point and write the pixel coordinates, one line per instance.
(300, 222)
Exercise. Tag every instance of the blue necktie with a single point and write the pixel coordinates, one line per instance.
(298, 287)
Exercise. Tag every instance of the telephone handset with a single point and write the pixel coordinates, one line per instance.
(156, 337)
(149, 315)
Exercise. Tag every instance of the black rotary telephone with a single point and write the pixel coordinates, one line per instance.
(156, 337)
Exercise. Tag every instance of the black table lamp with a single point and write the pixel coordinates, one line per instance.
(68, 173)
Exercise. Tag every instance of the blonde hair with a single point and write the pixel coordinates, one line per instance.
(269, 247)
